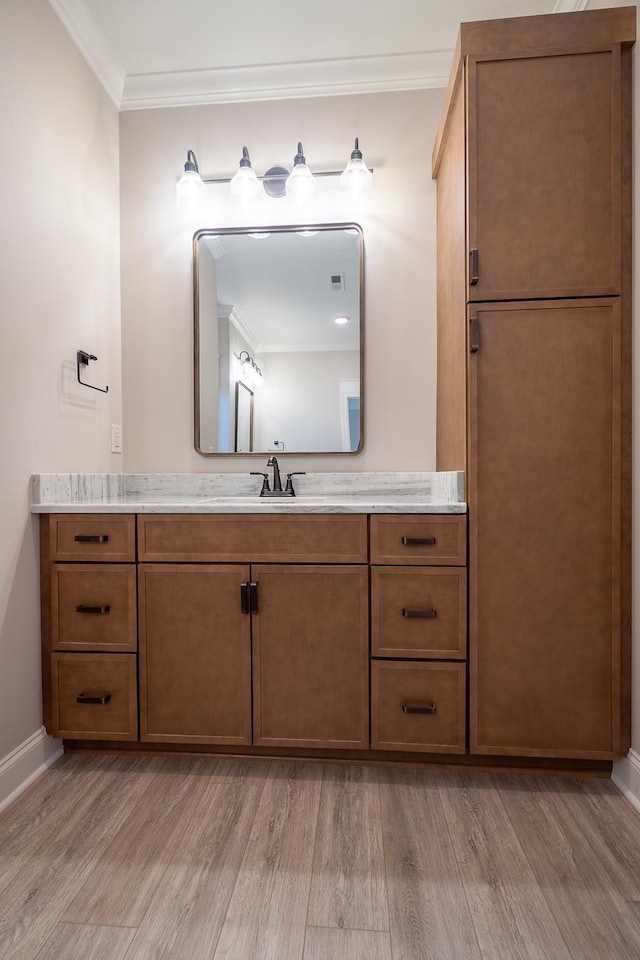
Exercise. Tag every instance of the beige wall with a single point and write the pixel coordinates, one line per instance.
(60, 292)
(396, 133)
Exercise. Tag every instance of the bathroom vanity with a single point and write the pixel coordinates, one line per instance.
(186, 612)
(326, 622)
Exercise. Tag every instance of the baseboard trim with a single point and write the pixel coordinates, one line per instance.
(626, 776)
(26, 763)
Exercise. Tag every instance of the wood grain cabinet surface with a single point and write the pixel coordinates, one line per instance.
(94, 696)
(534, 397)
(310, 656)
(419, 612)
(418, 707)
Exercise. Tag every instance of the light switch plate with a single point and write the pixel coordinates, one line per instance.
(116, 438)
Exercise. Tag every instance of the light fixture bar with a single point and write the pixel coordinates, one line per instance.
(275, 176)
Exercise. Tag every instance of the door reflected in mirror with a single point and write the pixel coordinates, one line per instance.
(278, 340)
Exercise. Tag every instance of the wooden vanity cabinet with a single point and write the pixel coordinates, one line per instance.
(89, 628)
(303, 625)
(418, 633)
(533, 163)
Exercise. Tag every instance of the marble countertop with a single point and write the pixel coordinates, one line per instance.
(205, 493)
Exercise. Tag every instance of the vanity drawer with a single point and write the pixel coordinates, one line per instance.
(107, 679)
(251, 538)
(419, 612)
(411, 538)
(91, 537)
(435, 687)
(93, 607)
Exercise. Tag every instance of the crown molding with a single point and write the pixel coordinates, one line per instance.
(570, 6)
(92, 45)
(410, 71)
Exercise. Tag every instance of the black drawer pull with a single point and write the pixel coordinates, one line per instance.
(419, 541)
(81, 608)
(410, 706)
(98, 538)
(83, 698)
(419, 614)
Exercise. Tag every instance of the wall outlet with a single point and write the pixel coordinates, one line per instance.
(116, 438)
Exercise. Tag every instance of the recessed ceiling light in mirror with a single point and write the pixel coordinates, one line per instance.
(341, 320)
(308, 233)
(259, 236)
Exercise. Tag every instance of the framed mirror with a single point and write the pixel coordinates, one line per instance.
(278, 340)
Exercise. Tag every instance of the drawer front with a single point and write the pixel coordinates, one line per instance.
(438, 688)
(250, 538)
(419, 612)
(94, 696)
(419, 539)
(93, 607)
(92, 537)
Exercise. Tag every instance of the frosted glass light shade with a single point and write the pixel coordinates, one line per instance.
(300, 184)
(356, 178)
(244, 185)
(190, 189)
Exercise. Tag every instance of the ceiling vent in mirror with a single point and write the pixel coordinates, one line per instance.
(336, 281)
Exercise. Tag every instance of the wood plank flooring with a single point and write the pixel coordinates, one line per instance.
(193, 858)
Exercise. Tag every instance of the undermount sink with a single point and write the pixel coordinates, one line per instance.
(256, 499)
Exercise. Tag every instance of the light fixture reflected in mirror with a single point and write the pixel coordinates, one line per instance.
(299, 185)
(249, 372)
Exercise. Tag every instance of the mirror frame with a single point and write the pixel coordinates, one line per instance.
(286, 228)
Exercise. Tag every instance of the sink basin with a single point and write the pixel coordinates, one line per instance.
(256, 500)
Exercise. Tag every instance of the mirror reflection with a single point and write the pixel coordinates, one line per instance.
(278, 340)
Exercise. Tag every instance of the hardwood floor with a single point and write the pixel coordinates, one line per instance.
(193, 858)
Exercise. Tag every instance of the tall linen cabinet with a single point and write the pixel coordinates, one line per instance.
(533, 169)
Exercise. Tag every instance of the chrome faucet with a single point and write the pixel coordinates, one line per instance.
(277, 481)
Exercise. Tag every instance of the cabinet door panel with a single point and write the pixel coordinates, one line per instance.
(544, 484)
(310, 650)
(545, 175)
(195, 656)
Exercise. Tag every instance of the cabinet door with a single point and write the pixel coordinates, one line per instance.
(195, 654)
(310, 653)
(544, 148)
(544, 504)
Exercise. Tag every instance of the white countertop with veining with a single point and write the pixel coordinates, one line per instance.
(203, 493)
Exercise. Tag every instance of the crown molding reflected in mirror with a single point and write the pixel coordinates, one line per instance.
(279, 310)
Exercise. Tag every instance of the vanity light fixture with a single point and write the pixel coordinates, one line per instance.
(249, 369)
(299, 184)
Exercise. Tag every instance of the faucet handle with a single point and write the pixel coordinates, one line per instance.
(265, 481)
(289, 485)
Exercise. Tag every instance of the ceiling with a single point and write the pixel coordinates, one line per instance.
(150, 53)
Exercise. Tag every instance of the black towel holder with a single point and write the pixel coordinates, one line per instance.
(82, 359)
